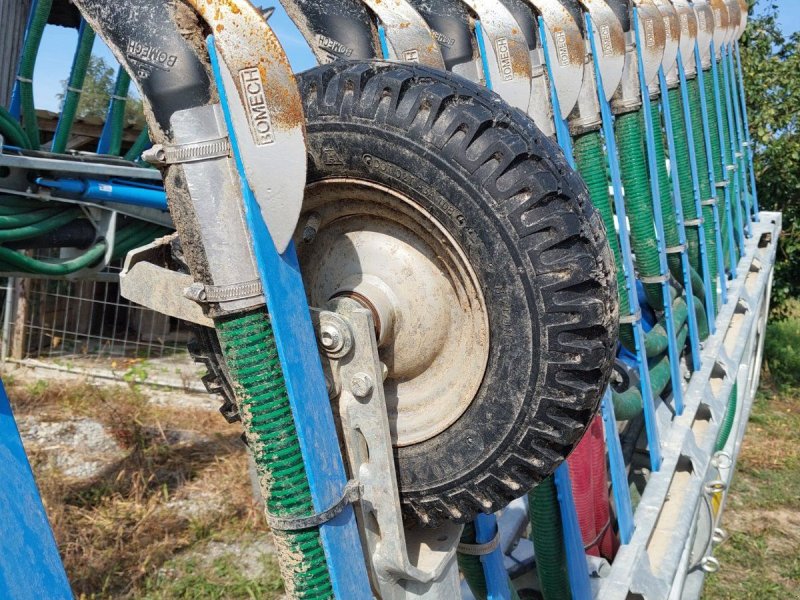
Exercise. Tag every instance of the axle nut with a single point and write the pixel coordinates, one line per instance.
(361, 385)
(331, 338)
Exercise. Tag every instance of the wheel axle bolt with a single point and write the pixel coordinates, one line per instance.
(361, 385)
(331, 338)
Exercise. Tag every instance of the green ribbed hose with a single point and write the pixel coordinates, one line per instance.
(718, 162)
(49, 223)
(685, 177)
(74, 88)
(629, 132)
(12, 131)
(248, 345)
(591, 162)
(117, 113)
(695, 109)
(548, 541)
(139, 146)
(730, 417)
(472, 568)
(29, 53)
(735, 201)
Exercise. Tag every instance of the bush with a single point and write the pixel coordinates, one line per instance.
(782, 351)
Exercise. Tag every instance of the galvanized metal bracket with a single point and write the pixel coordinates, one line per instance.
(405, 562)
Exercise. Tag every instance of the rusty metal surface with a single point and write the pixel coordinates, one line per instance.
(508, 60)
(567, 51)
(745, 10)
(268, 116)
(672, 27)
(705, 31)
(610, 39)
(734, 20)
(407, 34)
(688, 24)
(653, 37)
(719, 11)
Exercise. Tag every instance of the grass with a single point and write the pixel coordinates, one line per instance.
(141, 528)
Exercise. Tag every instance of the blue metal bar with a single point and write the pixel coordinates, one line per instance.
(723, 280)
(635, 318)
(15, 107)
(619, 475)
(739, 127)
(712, 318)
(482, 50)
(123, 192)
(104, 144)
(562, 130)
(30, 566)
(497, 584)
(748, 136)
(655, 191)
(577, 570)
(305, 383)
(384, 43)
(724, 158)
(694, 331)
(732, 167)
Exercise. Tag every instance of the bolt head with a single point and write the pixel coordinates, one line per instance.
(331, 338)
(361, 385)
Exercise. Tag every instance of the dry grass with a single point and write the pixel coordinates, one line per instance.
(181, 481)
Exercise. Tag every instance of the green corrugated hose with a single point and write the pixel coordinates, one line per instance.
(12, 131)
(730, 417)
(74, 88)
(472, 568)
(685, 177)
(718, 161)
(639, 201)
(591, 162)
(249, 348)
(629, 404)
(139, 145)
(735, 201)
(695, 109)
(548, 541)
(29, 53)
(117, 113)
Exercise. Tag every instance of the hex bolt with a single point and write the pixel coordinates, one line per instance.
(361, 385)
(331, 338)
(311, 227)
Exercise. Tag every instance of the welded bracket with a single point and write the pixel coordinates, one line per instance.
(405, 562)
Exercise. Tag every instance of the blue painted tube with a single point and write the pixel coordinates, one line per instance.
(562, 130)
(493, 569)
(723, 279)
(577, 570)
(30, 566)
(725, 173)
(739, 128)
(15, 108)
(694, 332)
(712, 318)
(737, 191)
(635, 318)
(748, 136)
(655, 188)
(619, 475)
(482, 50)
(384, 43)
(305, 383)
(109, 191)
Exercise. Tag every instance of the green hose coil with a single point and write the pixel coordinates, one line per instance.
(639, 202)
(117, 112)
(719, 164)
(248, 345)
(695, 109)
(12, 131)
(30, 50)
(591, 162)
(548, 541)
(74, 88)
(471, 567)
(730, 417)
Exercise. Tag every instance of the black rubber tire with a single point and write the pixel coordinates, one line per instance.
(506, 194)
(523, 217)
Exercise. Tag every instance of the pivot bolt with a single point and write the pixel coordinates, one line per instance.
(361, 385)
(331, 338)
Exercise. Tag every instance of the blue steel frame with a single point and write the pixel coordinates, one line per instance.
(655, 190)
(308, 396)
(730, 196)
(727, 57)
(748, 136)
(651, 423)
(16, 101)
(694, 332)
(30, 566)
(687, 116)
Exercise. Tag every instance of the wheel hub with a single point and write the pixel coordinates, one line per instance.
(380, 248)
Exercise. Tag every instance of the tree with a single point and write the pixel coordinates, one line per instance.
(771, 64)
(97, 90)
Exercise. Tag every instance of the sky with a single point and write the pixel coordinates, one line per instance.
(55, 57)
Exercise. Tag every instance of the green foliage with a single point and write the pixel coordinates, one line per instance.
(97, 91)
(782, 351)
(771, 63)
